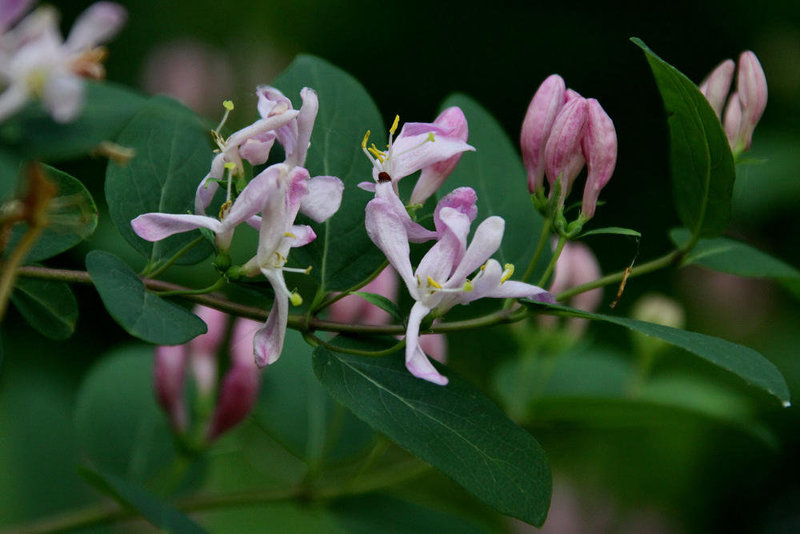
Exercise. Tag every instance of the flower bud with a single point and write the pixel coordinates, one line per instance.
(563, 155)
(239, 390)
(577, 265)
(203, 349)
(435, 346)
(751, 85)
(453, 123)
(717, 84)
(542, 111)
(658, 309)
(733, 119)
(168, 377)
(600, 149)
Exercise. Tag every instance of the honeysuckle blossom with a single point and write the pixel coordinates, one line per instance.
(441, 281)
(37, 62)
(290, 193)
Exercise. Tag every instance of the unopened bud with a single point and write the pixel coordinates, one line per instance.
(435, 346)
(733, 120)
(751, 84)
(203, 349)
(658, 309)
(563, 155)
(168, 378)
(542, 111)
(717, 84)
(577, 265)
(452, 123)
(600, 149)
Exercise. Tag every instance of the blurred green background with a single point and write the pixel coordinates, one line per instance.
(663, 471)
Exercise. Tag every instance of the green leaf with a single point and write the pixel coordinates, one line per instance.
(342, 255)
(47, 305)
(613, 230)
(172, 157)
(120, 428)
(744, 362)
(700, 159)
(34, 134)
(9, 174)
(72, 217)
(733, 257)
(454, 428)
(383, 303)
(496, 174)
(159, 513)
(140, 313)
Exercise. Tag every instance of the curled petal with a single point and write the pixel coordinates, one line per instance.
(414, 150)
(63, 96)
(261, 126)
(462, 199)
(208, 186)
(387, 231)
(157, 226)
(268, 341)
(416, 361)
(251, 200)
(305, 125)
(416, 233)
(448, 251)
(323, 199)
(302, 235)
(256, 149)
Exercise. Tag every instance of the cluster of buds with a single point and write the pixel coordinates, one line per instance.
(745, 105)
(209, 414)
(270, 202)
(36, 62)
(561, 133)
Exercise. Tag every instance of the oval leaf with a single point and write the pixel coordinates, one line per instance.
(342, 255)
(496, 174)
(612, 230)
(701, 162)
(742, 361)
(47, 305)
(172, 157)
(140, 313)
(72, 217)
(454, 428)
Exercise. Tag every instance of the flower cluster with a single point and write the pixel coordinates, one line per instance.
(278, 194)
(745, 105)
(239, 389)
(441, 280)
(561, 132)
(37, 62)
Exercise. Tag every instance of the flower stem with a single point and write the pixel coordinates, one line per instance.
(543, 238)
(552, 265)
(175, 257)
(333, 298)
(184, 292)
(371, 353)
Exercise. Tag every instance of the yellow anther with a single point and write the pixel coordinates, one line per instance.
(434, 283)
(223, 210)
(228, 104)
(280, 257)
(296, 299)
(394, 124)
(508, 270)
(230, 166)
(364, 141)
(483, 267)
(431, 137)
(289, 234)
(467, 286)
(308, 269)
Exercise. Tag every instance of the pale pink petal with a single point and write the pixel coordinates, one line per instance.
(323, 199)
(445, 254)
(11, 11)
(542, 111)
(63, 96)
(416, 233)
(485, 242)
(168, 377)
(12, 100)
(252, 198)
(241, 343)
(416, 361)
(435, 346)
(209, 186)
(387, 231)
(303, 235)
(98, 24)
(410, 154)
(256, 149)
(268, 341)
(305, 125)
(157, 226)
(261, 126)
(462, 199)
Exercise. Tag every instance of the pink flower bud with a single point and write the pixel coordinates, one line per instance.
(453, 123)
(354, 309)
(600, 149)
(577, 265)
(751, 84)
(168, 377)
(563, 155)
(571, 94)
(239, 391)
(733, 119)
(717, 84)
(542, 111)
(203, 349)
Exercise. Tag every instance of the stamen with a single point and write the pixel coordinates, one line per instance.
(434, 283)
(289, 234)
(364, 141)
(307, 270)
(295, 298)
(394, 124)
(431, 137)
(467, 286)
(508, 270)
(228, 105)
(223, 210)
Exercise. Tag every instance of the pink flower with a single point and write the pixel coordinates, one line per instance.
(440, 280)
